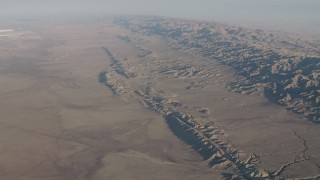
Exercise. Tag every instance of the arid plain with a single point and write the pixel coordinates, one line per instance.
(93, 100)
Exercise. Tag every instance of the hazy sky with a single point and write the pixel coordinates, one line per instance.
(267, 12)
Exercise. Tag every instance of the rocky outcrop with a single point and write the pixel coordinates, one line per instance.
(113, 83)
(118, 66)
(190, 123)
(204, 138)
(283, 68)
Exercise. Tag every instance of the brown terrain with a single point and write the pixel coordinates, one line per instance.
(157, 98)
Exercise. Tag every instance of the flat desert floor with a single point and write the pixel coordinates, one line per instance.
(92, 100)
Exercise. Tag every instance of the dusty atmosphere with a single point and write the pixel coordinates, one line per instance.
(157, 98)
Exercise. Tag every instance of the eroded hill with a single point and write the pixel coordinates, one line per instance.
(285, 69)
